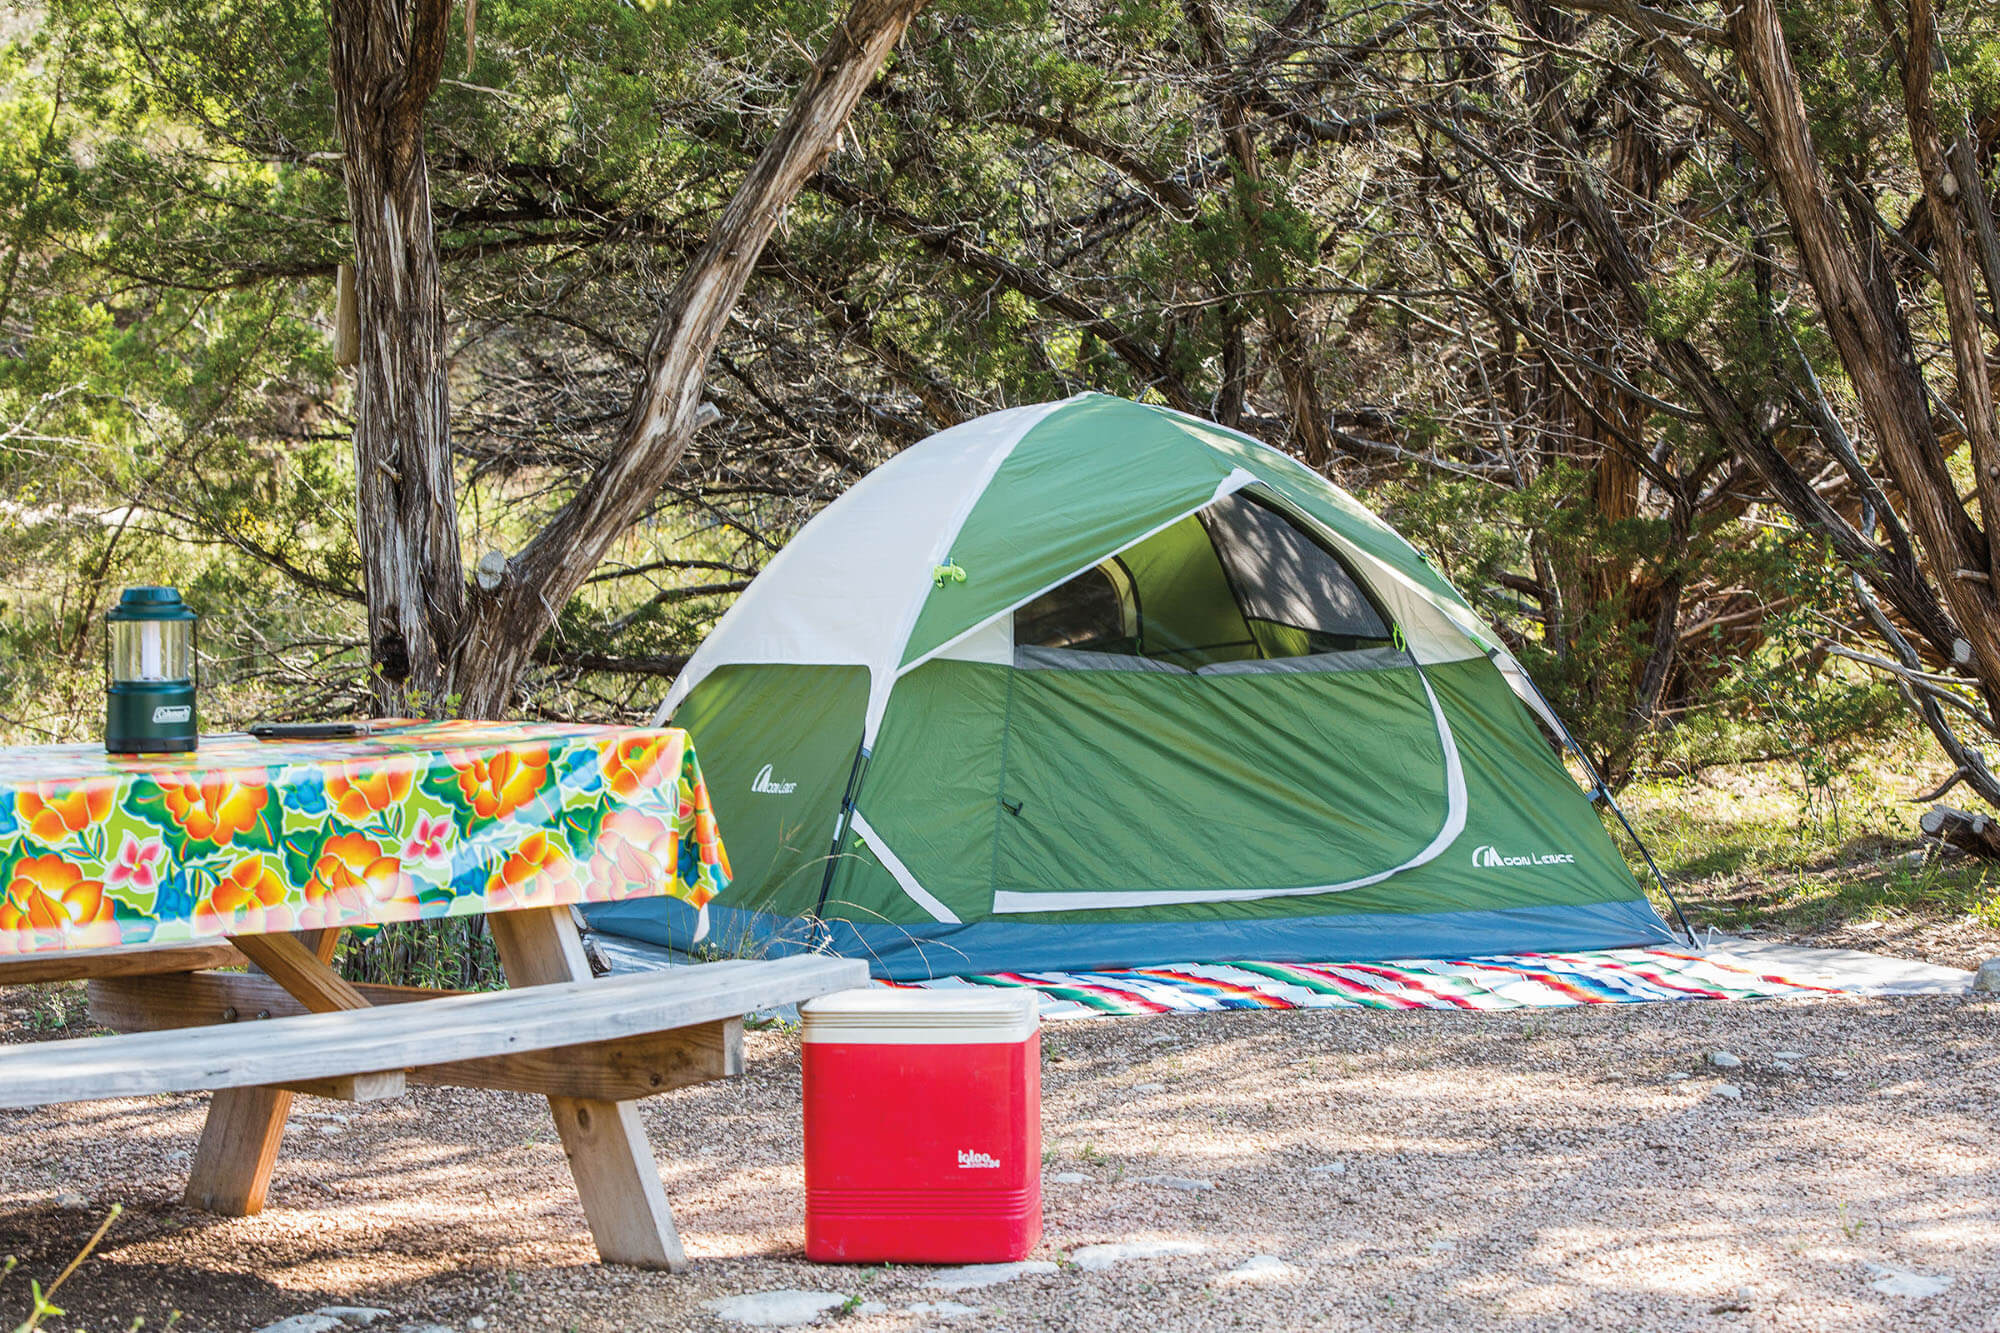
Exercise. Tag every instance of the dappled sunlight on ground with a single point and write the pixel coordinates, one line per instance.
(1578, 1167)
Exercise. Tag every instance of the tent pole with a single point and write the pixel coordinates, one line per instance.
(1601, 791)
(1658, 878)
(861, 753)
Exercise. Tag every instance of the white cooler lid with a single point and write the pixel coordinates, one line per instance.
(893, 1015)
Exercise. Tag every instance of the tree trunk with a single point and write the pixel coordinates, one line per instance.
(506, 621)
(1866, 322)
(386, 55)
(1956, 270)
(436, 646)
(1952, 827)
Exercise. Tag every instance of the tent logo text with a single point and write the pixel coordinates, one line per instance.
(1488, 857)
(763, 786)
(969, 1159)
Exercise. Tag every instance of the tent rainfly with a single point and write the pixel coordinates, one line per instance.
(1094, 684)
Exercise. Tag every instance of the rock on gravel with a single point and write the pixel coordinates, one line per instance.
(330, 1317)
(1794, 1056)
(1069, 1178)
(1183, 1183)
(942, 1309)
(986, 1275)
(1258, 1270)
(1988, 979)
(1328, 1169)
(1724, 1060)
(1728, 1090)
(1893, 1281)
(775, 1309)
(1094, 1258)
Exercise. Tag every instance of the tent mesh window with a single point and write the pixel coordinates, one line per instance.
(1297, 596)
(1234, 586)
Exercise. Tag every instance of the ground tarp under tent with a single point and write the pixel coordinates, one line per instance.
(1095, 684)
(1720, 969)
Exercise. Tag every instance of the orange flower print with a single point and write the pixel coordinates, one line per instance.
(641, 763)
(52, 811)
(248, 900)
(497, 785)
(635, 854)
(216, 808)
(538, 873)
(47, 893)
(714, 856)
(354, 880)
(360, 788)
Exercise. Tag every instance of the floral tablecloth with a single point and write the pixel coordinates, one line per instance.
(416, 820)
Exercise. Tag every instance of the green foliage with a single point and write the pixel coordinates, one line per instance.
(452, 954)
(163, 327)
(42, 1304)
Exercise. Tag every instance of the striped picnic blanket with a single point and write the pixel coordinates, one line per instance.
(1509, 981)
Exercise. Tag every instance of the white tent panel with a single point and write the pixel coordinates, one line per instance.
(1430, 632)
(992, 642)
(847, 589)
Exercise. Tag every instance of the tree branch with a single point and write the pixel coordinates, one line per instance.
(505, 622)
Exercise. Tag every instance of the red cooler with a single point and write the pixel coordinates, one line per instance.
(923, 1126)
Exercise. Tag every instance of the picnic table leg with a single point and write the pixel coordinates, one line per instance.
(239, 1140)
(616, 1176)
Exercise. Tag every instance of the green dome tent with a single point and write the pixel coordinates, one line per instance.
(1095, 683)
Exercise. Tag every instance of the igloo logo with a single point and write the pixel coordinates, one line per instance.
(969, 1160)
(763, 785)
(1488, 857)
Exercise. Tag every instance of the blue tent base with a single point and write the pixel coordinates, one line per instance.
(920, 952)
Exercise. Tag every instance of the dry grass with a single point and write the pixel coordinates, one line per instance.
(1758, 849)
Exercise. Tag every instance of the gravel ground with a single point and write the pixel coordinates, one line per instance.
(1579, 1168)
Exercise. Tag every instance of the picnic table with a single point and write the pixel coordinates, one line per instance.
(149, 876)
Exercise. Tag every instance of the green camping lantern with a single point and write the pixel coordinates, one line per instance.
(149, 673)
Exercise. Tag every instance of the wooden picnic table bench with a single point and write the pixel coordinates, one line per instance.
(293, 1025)
(609, 1040)
(592, 1047)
